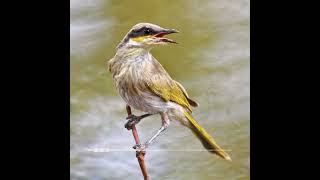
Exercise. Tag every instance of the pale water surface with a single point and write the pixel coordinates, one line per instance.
(211, 61)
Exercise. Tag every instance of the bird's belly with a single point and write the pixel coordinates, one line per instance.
(144, 101)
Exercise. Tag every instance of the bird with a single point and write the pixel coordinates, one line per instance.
(145, 85)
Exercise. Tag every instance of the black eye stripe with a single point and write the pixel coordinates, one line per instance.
(141, 32)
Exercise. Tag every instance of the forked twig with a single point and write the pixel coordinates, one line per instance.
(140, 155)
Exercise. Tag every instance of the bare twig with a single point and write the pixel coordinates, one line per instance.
(139, 155)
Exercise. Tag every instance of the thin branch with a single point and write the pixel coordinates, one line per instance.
(139, 155)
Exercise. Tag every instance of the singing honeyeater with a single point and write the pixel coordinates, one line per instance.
(145, 85)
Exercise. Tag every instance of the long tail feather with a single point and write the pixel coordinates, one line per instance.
(205, 138)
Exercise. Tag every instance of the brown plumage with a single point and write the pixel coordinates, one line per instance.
(145, 85)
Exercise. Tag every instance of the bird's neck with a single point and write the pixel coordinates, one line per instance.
(130, 58)
(133, 55)
(132, 52)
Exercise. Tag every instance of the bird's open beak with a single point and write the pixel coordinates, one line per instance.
(160, 35)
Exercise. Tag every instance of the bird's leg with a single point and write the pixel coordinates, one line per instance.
(165, 124)
(132, 119)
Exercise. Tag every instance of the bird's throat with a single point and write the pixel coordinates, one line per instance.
(132, 54)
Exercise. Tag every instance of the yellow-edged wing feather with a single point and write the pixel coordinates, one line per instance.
(168, 90)
(191, 102)
(162, 85)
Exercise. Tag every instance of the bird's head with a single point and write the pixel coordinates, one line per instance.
(147, 36)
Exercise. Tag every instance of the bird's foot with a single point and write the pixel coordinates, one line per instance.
(140, 148)
(132, 120)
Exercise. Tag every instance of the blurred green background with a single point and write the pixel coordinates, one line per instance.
(211, 61)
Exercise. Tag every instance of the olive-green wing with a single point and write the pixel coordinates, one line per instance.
(162, 85)
(191, 102)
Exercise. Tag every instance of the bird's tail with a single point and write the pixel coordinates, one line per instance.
(205, 138)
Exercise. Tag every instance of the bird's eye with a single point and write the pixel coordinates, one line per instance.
(147, 31)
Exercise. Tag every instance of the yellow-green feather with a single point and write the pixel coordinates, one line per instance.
(205, 138)
(169, 92)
